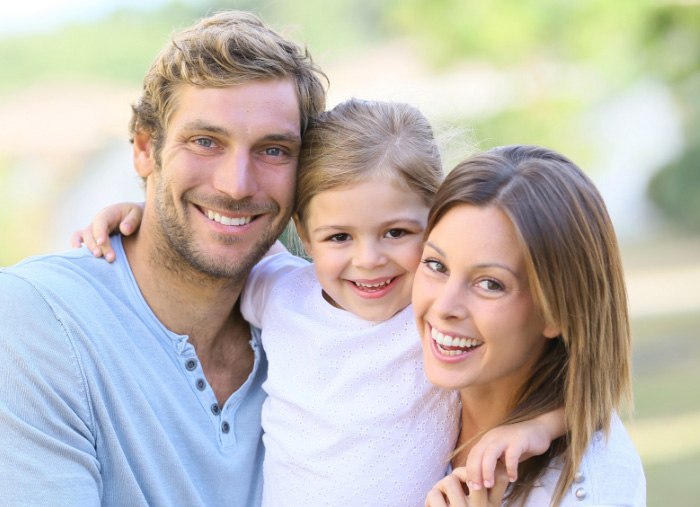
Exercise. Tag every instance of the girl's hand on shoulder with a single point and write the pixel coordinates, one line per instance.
(510, 444)
(126, 217)
(451, 491)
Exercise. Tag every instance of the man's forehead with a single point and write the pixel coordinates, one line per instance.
(269, 105)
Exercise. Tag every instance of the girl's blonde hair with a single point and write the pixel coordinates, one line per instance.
(360, 139)
(576, 278)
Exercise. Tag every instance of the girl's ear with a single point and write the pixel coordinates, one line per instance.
(303, 234)
(144, 161)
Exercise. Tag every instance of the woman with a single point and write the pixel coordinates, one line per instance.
(521, 305)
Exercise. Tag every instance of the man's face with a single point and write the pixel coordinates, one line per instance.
(223, 191)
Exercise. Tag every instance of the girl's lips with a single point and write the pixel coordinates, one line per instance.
(373, 289)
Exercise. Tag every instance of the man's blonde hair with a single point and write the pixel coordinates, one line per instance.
(226, 49)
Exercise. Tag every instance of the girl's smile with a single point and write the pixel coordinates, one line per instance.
(365, 240)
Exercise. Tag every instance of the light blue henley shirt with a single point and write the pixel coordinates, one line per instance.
(101, 405)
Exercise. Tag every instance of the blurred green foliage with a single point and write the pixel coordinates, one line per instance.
(119, 48)
(673, 39)
(676, 189)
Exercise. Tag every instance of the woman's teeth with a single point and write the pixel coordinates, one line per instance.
(457, 345)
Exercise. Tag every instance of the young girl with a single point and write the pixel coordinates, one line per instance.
(521, 305)
(350, 418)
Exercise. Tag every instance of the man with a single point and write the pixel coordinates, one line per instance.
(139, 382)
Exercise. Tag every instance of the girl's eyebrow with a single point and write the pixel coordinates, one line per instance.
(383, 225)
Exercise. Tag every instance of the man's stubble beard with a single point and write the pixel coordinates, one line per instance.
(177, 250)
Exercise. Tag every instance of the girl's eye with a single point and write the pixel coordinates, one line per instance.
(435, 265)
(490, 285)
(339, 238)
(396, 233)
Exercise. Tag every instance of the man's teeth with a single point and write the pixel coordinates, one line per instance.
(445, 340)
(227, 220)
(373, 285)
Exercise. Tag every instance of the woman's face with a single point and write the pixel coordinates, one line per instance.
(478, 323)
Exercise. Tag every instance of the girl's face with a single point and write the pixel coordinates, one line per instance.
(478, 323)
(365, 240)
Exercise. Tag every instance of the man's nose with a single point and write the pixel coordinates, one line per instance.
(236, 175)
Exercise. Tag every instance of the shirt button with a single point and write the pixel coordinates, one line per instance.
(191, 364)
(201, 384)
(225, 427)
(578, 478)
(215, 409)
(580, 493)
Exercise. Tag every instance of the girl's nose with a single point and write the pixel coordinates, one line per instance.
(368, 255)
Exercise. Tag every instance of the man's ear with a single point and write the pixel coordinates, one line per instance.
(144, 160)
(303, 234)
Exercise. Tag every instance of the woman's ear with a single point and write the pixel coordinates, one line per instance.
(303, 234)
(144, 160)
(551, 330)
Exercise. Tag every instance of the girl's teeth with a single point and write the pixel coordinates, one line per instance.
(373, 285)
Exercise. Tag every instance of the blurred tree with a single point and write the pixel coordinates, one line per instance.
(673, 42)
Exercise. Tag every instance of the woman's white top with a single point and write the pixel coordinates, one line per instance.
(350, 418)
(610, 474)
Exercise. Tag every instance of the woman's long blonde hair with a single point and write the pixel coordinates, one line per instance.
(576, 278)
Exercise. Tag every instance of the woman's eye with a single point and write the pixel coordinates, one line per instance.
(435, 265)
(396, 233)
(489, 285)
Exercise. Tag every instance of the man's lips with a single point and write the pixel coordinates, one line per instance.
(227, 220)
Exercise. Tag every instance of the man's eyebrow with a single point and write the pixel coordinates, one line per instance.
(203, 125)
(285, 137)
(278, 137)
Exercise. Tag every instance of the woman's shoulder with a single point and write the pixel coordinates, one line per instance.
(611, 471)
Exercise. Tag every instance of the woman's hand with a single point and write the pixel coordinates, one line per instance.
(125, 216)
(451, 491)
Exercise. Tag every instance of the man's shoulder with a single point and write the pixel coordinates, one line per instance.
(68, 273)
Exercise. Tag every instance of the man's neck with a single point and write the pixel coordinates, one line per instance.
(185, 301)
(204, 308)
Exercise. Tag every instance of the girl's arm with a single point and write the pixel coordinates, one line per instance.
(126, 217)
(511, 444)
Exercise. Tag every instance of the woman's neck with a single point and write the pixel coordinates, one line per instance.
(481, 411)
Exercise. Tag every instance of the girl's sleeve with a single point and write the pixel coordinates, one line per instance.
(263, 279)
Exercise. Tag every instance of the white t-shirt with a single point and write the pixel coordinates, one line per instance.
(610, 474)
(350, 419)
